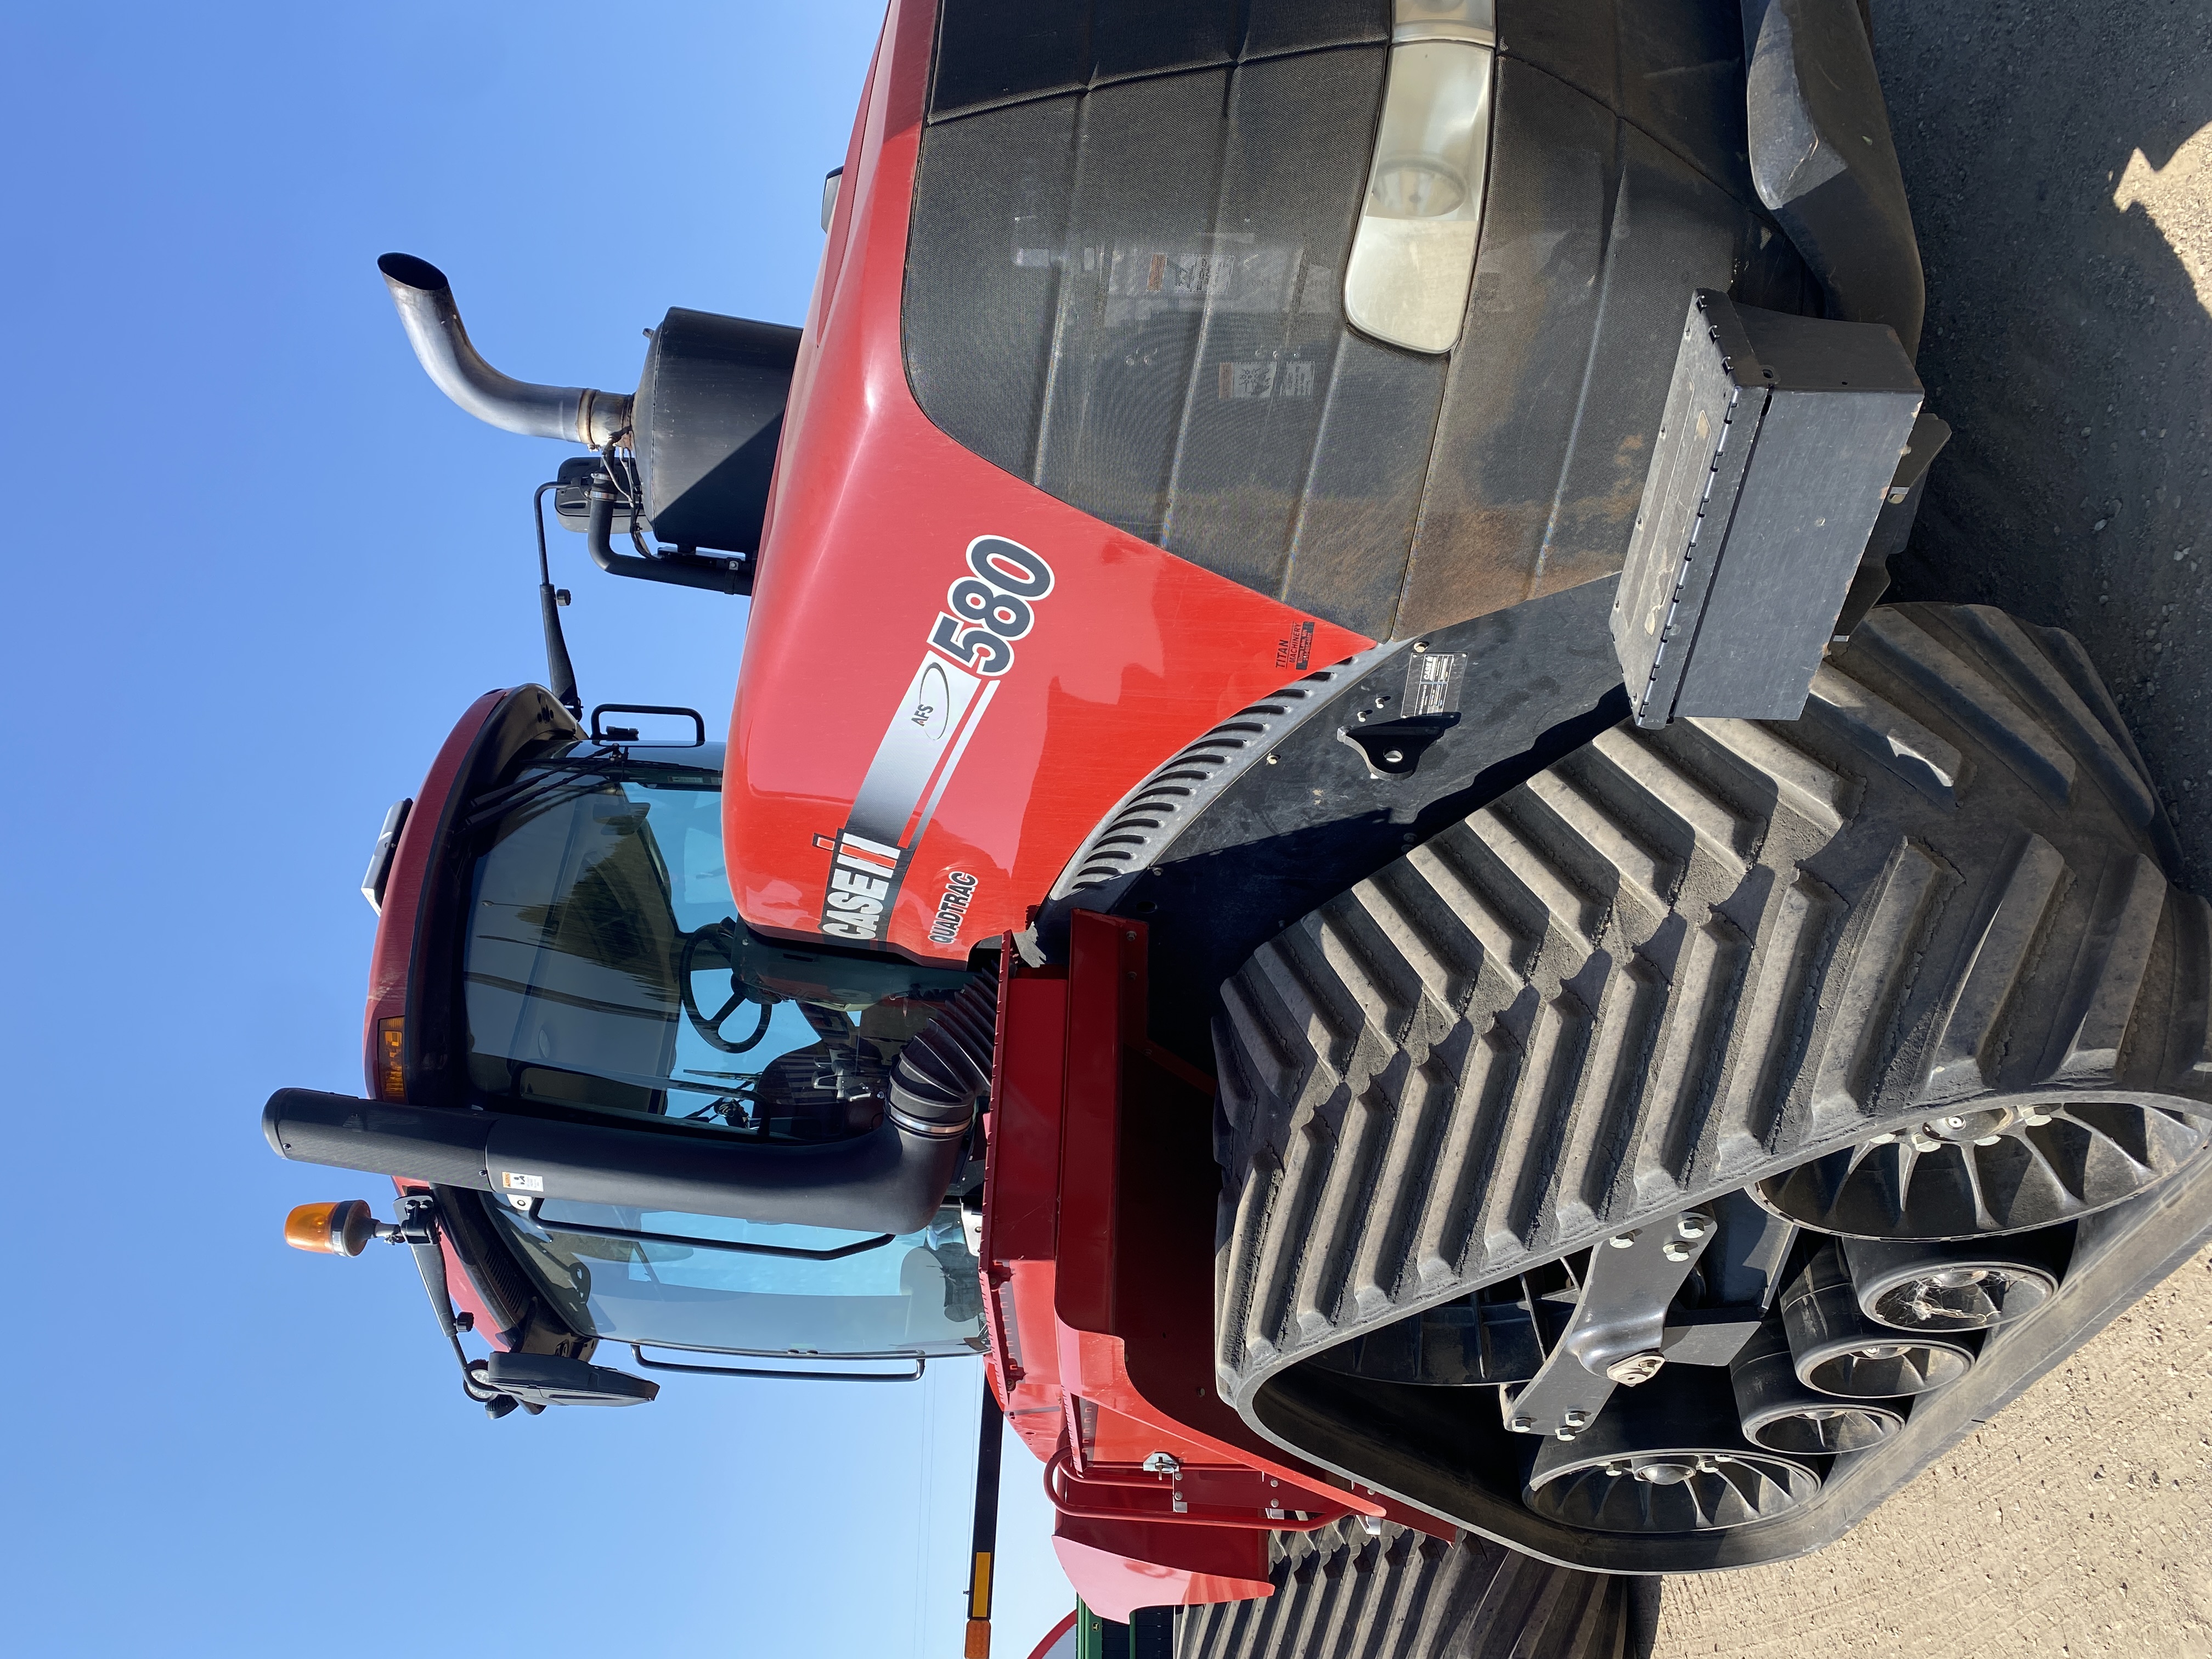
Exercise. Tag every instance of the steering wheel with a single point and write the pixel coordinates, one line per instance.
(709, 1026)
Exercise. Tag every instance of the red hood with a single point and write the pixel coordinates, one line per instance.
(980, 782)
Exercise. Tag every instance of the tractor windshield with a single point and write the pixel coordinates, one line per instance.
(603, 969)
(627, 1275)
(600, 970)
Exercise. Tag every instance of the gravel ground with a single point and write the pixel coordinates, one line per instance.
(2075, 1524)
(2060, 160)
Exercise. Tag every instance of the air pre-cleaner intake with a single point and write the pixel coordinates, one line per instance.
(890, 1179)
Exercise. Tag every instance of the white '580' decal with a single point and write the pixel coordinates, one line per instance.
(985, 612)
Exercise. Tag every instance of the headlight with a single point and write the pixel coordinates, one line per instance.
(1412, 256)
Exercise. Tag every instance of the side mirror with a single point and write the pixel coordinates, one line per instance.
(547, 1379)
(343, 1228)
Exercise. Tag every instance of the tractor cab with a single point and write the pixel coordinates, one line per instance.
(690, 1137)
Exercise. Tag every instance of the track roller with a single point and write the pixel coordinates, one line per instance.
(1666, 1458)
(1837, 1349)
(1780, 1413)
(1975, 1174)
(1938, 1287)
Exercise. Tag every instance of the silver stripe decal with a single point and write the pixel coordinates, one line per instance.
(920, 751)
(928, 718)
(952, 760)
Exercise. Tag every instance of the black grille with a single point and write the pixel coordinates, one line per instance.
(1131, 295)
(1000, 51)
(1125, 283)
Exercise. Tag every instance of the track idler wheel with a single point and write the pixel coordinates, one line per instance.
(1666, 1457)
(1837, 1349)
(1781, 1414)
(1946, 1287)
(1980, 1173)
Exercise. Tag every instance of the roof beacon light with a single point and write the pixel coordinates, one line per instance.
(1412, 256)
(343, 1228)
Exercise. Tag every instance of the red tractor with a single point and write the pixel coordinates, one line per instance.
(1324, 853)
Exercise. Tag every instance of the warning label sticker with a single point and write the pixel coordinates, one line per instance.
(1432, 681)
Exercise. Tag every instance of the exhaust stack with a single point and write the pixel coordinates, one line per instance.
(572, 414)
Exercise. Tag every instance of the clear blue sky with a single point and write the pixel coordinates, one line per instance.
(257, 568)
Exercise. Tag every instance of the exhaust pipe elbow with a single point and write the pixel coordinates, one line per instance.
(573, 414)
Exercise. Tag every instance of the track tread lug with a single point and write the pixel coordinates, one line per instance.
(2112, 958)
(1636, 883)
(2193, 990)
(1786, 960)
(2067, 654)
(1525, 884)
(2031, 671)
(1720, 837)
(1950, 683)
(1817, 795)
(1702, 986)
(1893, 925)
(1961, 1058)
(1929, 763)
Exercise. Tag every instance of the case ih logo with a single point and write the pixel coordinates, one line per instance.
(986, 610)
(863, 879)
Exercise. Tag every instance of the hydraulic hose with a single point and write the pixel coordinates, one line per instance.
(714, 576)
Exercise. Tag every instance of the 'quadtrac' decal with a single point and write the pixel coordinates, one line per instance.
(952, 909)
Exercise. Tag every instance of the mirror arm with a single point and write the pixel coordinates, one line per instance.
(417, 1228)
(558, 669)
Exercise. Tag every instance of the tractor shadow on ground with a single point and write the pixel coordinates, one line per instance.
(2059, 160)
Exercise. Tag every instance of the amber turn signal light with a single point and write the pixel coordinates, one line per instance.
(342, 1228)
(391, 1075)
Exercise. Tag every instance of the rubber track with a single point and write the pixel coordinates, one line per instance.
(1340, 1594)
(1676, 962)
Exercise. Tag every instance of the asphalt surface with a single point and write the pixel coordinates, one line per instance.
(2059, 158)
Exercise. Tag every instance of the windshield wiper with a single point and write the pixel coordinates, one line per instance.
(542, 792)
(741, 1247)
